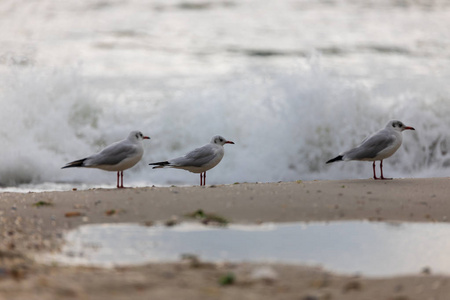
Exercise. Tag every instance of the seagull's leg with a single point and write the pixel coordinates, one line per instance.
(121, 179)
(118, 179)
(381, 169)
(374, 174)
(202, 178)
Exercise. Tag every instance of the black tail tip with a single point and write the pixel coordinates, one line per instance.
(159, 164)
(337, 158)
(75, 164)
(72, 166)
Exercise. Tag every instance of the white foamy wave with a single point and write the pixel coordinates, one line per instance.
(50, 117)
(286, 125)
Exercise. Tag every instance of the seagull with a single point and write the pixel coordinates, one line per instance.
(118, 156)
(198, 160)
(378, 146)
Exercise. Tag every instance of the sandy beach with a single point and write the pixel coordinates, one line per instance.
(34, 223)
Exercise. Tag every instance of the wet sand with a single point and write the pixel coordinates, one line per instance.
(34, 223)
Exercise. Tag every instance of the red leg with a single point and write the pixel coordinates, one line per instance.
(202, 178)
(374, 174)
(381, 169)
(118, 175)
(121, 179)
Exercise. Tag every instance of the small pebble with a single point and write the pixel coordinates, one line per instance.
(72, 214)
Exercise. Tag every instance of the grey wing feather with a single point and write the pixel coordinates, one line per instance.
(112, 154)
(371, 146)
(196, 158)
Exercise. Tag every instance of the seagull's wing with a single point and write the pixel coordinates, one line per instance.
(196, 158)
(113, 154)
(371, 146)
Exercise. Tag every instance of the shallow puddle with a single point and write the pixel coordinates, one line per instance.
(369, 248)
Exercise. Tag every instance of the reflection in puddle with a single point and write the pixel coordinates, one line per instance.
(346, 247)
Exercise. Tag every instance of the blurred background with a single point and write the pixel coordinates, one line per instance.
(292, 82)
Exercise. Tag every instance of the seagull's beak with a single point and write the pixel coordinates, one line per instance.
(408, 127)
(229, 142)
(146, 138)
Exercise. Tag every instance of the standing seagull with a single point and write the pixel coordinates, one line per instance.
(118, 156)
(378, 146)
(198, 160)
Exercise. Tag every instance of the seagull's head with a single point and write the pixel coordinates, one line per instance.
(398, 126)
(220, 140)
(137, 136)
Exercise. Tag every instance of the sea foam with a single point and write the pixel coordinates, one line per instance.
(286, 124)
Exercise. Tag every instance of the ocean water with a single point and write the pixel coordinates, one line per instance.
(292, 83)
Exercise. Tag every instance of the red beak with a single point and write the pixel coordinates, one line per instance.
(410, 128)
(229, 142)
(146, 138)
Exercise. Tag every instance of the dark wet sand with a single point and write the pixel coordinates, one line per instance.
(30, 227)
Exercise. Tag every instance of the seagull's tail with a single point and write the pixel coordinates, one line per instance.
(160, 164)
(337, 158)
(76, 163)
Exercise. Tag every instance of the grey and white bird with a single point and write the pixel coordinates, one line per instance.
(198, 160)
(117, 157)
(378, 146)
